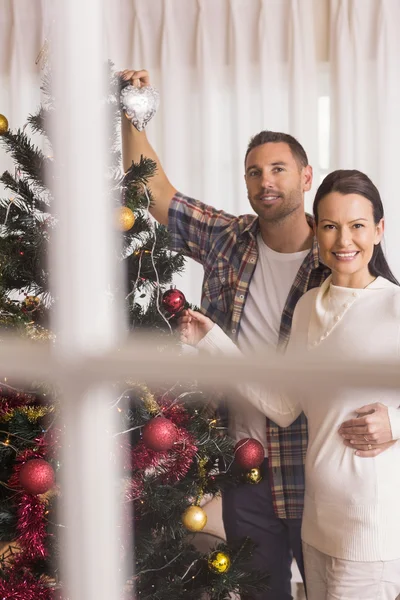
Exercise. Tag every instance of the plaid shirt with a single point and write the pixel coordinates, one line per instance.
(226, 246)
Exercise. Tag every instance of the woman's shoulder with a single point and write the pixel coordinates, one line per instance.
(383, 283)
(390, 295)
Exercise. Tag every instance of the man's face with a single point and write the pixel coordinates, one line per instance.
(275, 181)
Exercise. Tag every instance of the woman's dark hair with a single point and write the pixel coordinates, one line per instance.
(355, 182)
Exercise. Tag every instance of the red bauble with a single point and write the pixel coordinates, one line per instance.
(249, 453)
(173, 301)
(159, 434)
(36, 476)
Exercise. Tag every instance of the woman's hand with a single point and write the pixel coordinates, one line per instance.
(193, 326)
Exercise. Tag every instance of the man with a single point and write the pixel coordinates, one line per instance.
(255, 270)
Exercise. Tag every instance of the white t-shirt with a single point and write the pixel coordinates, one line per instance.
(269, 288)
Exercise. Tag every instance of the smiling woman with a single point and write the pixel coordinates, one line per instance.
(350, 533)
(349, 221)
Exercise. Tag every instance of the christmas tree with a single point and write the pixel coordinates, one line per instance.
(175, 451)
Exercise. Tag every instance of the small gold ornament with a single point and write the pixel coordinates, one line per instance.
(31, 302)
(194, 518)
(125, 218)
(253, 476)
(3, 125)
(219, 562)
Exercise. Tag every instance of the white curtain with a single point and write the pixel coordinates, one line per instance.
(365, 100)
(227, 69)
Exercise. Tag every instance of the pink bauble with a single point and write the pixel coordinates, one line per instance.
(159, 434)
(36, 476)
(249, 453)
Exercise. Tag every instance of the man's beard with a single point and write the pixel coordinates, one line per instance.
(279, 213)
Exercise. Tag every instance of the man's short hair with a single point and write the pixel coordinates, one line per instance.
(274, 137)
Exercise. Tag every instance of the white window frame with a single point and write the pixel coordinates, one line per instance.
(90, 351)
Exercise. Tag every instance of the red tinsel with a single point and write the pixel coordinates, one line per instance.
(52, 438)
(176, 413)
(31, 523)
(24, 589)
(172, 465)
(19, 584)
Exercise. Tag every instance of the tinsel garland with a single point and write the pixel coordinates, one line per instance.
(17, 583)
(31, 522)
(175, 412)
(143, 393)
(11, 399)
(171, 465)
(32, 413)
(50, 443)
(16, 580)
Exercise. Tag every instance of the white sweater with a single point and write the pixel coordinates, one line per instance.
(352, 504)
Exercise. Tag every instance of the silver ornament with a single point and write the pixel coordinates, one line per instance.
(139, 104)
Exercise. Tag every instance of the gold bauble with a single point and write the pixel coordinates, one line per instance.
(3, 124)
(253, 476)
(219, 562)
(194, 518)
(125, 218)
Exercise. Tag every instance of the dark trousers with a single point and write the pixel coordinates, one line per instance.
(248, 511)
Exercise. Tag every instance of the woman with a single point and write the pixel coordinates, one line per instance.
(351, 522)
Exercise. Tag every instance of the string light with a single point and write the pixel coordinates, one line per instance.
(127, 430)
(153, 263)
(121, 396)
(161, 568)
(14, 389)
(18, 437)
(137, 278)
(144, 394)
(183, 395)
(188, 569)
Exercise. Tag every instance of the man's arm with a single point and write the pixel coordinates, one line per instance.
(276, 406)
(135, 144)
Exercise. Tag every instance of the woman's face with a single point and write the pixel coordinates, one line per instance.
(347, 234)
